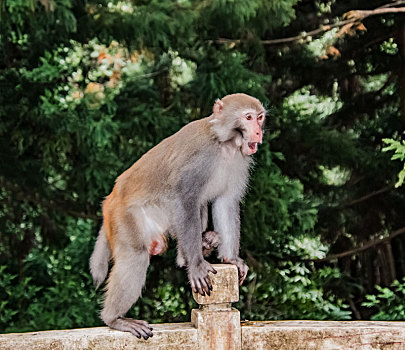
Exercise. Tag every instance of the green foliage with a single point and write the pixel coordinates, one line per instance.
(87, 87)
(399, 148)
(165, 303)
(388, 303)
(293, 292)
(247, 18)
(59, 292)
(225, 75)
(14, 296)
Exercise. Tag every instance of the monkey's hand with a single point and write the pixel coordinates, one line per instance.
(242, 267)
(210, 241)
(198, 276)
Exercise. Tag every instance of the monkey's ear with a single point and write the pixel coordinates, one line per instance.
(218, 107)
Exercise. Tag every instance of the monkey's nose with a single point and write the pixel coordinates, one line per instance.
(258, 137)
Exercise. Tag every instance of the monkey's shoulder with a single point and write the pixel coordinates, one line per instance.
(191, 149)
(195, 139)
(196, 133)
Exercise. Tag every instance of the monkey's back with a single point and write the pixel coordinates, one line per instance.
(159, 171)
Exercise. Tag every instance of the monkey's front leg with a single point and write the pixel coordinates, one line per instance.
(210, 241)
(190, 246)
(225, 214)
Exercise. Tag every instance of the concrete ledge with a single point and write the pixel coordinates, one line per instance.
(166, 336)
(269, 335)
(323, 335)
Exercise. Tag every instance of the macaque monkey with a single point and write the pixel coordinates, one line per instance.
(167, 192)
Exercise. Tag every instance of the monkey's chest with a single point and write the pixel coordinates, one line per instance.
(230, 177)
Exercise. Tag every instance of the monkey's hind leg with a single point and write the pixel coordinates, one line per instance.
(210, 241)
(124, 287)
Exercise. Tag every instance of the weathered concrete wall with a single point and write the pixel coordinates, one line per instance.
(280, 335)
(216, 326)
(323, 335)
(170, 336)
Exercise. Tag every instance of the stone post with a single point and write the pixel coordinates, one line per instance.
(217, 323)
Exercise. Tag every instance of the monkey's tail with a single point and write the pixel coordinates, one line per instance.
(100, 258)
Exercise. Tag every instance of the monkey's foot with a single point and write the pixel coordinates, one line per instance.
(199, 279)
(138, 328)
(210, 241)
(242, 267)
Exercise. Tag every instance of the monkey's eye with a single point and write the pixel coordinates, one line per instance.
(249, 117)
(260, 117)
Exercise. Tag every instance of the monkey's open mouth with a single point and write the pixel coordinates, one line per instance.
(253, 146)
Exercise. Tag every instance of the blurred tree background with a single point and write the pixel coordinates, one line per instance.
(87, 87)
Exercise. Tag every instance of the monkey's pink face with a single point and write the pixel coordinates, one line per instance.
(252, 131)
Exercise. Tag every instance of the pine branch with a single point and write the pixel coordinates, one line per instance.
(364, 247)
(354, 17)
(367, 196)
(392, 4)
